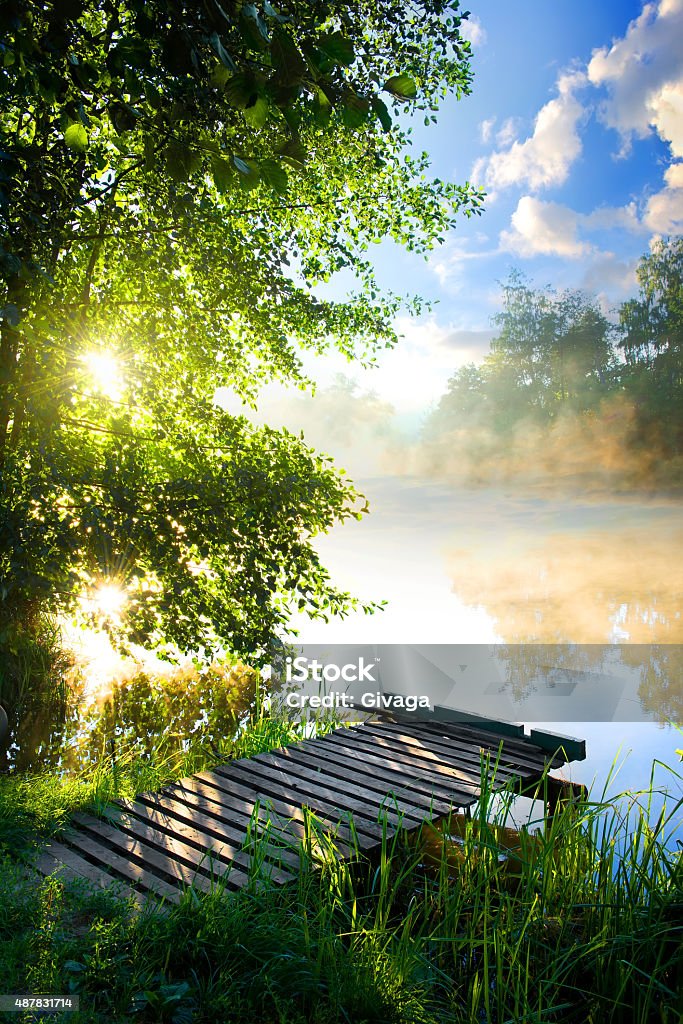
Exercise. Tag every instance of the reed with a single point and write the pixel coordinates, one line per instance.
(574, 918)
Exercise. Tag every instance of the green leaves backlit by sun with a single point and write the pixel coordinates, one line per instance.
(176, 180)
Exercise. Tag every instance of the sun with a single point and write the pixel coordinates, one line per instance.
(105, 373)
(107, 600)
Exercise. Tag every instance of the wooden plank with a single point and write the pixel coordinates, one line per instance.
(464, 746)
(208, 861)
(277, 837)
(165, 857)
(452, 716)
(574, 749)
(57, 857)
(365, 823)
(381, 782)
(468, 767)
(212, 793)
(243, 784)
(463, 780)
(185, 827)
(376, 771)
(352, 797)
(520, 748)
(210, 826)
(133, 873)
(464, 737)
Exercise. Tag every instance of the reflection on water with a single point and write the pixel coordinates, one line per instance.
(184, 711)
(588, 586)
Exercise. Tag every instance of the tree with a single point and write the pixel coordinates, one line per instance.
(652, 345)
(177, 177)
(553, 350)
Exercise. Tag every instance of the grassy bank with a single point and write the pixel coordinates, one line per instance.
(581, 922)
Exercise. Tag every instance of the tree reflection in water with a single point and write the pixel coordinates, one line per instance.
(561, 600)
(188, 710)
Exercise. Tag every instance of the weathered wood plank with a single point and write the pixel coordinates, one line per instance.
(421, 762)
(467, 748)
(166, 858)
(419, 755)
(375, 773)
(133, 873)
(342, 794)
(184, 826)
(57, 858)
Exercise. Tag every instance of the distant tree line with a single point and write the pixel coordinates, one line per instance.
(557, 358)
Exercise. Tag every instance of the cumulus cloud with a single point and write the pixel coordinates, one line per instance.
(664, 210)
(606, 218)
(552, 229)
(544, 158)
(540, 228)
(472, 30)
(643, 75)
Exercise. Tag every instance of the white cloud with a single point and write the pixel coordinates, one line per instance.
(540, 228)
(643, 75)
(544, 158)
(486, 128)
(664, 210)
(472, 30)
(606, 218)
(505, 135)
(552, 229)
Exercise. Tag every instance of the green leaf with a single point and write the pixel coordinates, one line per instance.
(337, 47)
(181, 161)
(219, 76)
(293, 153)
(254, 27)
(322, 108)
(380, 108)
(274, 174)
(249, 174)
(403, 87)
(240, 90)
(289, 65)
(220, 51)
(256, 114)
(76, 137)
(355, 110)
(272, 12)
(223, 174)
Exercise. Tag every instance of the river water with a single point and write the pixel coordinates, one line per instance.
(596, 581)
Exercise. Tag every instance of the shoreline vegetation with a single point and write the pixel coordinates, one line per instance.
(574, 917)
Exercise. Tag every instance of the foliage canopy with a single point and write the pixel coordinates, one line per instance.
(176, 178)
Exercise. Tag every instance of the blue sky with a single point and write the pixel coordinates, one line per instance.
(575, 129)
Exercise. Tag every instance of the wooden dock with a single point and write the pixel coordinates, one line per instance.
(249, 818)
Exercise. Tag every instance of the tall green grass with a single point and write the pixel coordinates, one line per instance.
(580, 921)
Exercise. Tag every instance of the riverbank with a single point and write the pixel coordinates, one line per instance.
(466, 929)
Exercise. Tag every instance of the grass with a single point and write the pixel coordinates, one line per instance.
(580, 921)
